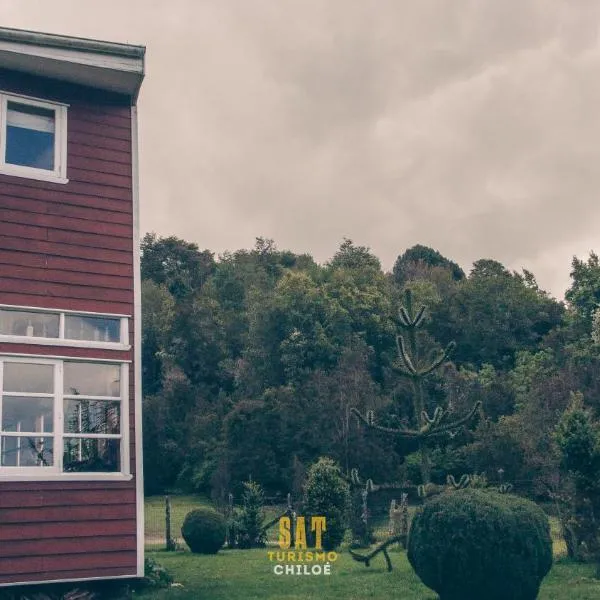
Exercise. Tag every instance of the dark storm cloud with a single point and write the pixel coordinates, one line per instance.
(470, 125)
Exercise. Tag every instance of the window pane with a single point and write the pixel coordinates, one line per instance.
(28, 414)
(30, 136)
(27, 451)
(91, 455)
(28, 377)
(31, 324)
(90, 416)
(92, 379)
(95, 329)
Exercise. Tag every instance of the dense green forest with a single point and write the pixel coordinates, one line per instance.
(252, 361)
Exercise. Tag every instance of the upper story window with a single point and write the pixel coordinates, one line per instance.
(63, 328)
(33, 138)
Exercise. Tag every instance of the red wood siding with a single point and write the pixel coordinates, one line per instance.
(70, 246)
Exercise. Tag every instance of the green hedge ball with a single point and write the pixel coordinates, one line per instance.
(204, 531)
(475, 544)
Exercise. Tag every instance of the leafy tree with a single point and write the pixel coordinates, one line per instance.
(198, 344)
(493, 315)
(203, 466)
(252, 442)
(358, 259)
(165, 426)
(596, 326)
(158, 313)
(584, 294)
(518, 440)
(421, 260)
(175, 263)
(287, 335)
(578, 437)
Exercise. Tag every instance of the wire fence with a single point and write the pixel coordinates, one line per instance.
(164, 516)
(156, 526)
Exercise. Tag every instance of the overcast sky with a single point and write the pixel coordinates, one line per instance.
(472, 126)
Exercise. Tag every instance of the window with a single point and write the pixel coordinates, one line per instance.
(33, 138)
(65, 328)
(63, 417)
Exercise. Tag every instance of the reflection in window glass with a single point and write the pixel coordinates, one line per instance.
(30, 136)
(28, 323)
(91, 416)
(30, 415)
(91, 455)
(92, 379)
(26, 451)
(28, 378)
(96, 329)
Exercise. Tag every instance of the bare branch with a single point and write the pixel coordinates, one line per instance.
(366, 559)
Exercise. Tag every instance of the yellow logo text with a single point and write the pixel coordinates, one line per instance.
(317, 525)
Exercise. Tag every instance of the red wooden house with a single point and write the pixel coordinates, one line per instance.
(71, 493)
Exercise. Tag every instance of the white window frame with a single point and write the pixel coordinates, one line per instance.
(55, 473)
(59, 174)
(122, 344)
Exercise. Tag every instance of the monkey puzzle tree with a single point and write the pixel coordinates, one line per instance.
(417, 369)
(425, 427)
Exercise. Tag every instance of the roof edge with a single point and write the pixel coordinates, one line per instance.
(73, 43)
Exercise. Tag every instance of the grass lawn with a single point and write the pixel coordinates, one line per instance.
(248, 575)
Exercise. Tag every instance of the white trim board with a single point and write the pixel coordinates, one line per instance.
(67, 343)
(68, 477)
(74, 580)
(65, 357)
(137, 344)
(62, 310)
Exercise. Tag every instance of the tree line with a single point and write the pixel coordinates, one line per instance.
(252, 362)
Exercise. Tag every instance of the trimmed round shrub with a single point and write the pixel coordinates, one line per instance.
(204, 530)
(473, 544)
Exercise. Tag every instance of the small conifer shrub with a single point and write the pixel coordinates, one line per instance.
(327, 494)
(473, 544)
(204, 530)
(251, 518)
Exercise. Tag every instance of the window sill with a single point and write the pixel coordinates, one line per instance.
(22, 339)
(66, 477)
(36, 174)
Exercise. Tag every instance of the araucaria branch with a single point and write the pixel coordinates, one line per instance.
(410, 366)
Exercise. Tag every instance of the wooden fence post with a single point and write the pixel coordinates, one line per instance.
(292, 515)
(170, 541)
(404, 519)
(230, 522)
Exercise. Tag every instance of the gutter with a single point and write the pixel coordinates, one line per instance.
(72, 43)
